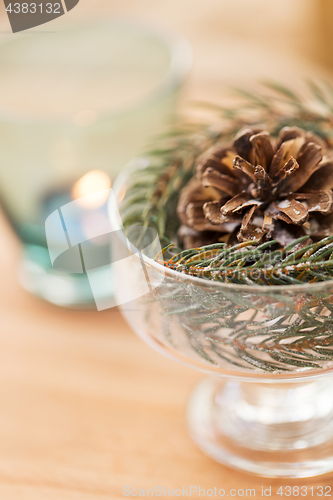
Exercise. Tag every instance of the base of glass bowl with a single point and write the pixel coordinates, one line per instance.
(271, 429)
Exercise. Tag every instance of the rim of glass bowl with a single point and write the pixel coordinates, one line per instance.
(118, 189)
(178, 48)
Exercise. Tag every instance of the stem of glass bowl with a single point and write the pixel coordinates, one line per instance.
(272, 429)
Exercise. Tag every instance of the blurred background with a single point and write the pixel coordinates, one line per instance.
(85, 407)
(240, 41)
(232, 41)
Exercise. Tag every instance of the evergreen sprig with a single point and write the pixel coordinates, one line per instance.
(241, 328)
(248, 264)
(151, 198)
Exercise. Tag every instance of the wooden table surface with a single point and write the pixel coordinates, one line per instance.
(85, 407)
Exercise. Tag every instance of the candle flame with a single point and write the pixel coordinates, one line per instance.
(95, 182)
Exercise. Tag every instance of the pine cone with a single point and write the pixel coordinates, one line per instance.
(259, 189)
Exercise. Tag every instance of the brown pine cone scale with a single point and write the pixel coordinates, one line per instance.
(258, 189)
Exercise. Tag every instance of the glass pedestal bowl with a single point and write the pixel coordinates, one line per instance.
(266, 406)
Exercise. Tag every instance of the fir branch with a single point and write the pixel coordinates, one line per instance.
(248, 330)
(246, 261)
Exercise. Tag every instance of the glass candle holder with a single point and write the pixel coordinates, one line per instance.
(77, 104)
(266, 406)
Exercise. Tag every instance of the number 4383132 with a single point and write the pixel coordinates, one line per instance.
(305, 491)
(33, 8)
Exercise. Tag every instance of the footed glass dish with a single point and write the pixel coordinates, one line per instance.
(266, 405)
